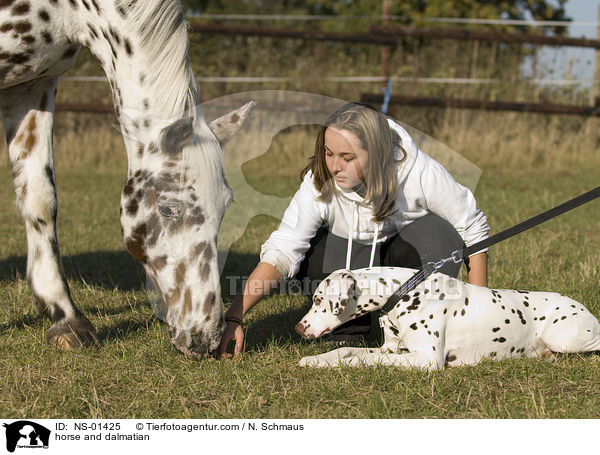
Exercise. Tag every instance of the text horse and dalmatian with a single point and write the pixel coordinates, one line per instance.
(444, 321)
(175, 195)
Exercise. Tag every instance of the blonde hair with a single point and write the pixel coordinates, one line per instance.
(379, 140)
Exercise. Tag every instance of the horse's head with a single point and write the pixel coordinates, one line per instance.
(172, 205)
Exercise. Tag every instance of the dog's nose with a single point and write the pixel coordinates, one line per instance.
(300, 329)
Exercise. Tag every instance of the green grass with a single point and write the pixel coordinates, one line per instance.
(138, 374)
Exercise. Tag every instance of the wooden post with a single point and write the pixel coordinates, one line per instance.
(386, 49)
(595, 101)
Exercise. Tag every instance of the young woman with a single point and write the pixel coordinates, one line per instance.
(369, 196)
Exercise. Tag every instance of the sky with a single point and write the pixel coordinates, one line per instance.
(555, 62)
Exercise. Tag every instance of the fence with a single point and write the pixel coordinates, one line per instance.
(387, 36)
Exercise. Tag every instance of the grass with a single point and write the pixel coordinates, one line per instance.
(529, 164)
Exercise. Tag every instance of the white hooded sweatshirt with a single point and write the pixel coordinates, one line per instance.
(424, 186)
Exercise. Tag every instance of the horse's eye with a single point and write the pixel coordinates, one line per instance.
(170, 210)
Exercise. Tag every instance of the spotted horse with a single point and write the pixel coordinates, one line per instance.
(175, 195)
(445, 321)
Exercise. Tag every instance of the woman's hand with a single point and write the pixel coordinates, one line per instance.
(233, 332)
(259, 283)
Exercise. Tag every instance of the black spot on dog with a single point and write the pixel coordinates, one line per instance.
(442, 296)
(495, 329)
(413, 326)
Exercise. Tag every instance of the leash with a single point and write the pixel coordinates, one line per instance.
(458, 255)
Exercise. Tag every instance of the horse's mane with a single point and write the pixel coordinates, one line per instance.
(162, 32)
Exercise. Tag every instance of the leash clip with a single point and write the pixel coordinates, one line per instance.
(456, 257)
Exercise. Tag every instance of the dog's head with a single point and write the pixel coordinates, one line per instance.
(334, 303)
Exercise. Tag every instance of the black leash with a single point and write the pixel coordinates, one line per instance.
(458, 256)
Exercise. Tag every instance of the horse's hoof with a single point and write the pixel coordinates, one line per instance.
(72, 334)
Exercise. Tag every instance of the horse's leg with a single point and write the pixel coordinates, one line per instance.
(28, 113)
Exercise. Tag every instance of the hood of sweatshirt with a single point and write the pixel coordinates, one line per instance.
(406, 155)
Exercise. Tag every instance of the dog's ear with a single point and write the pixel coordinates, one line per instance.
(347, 290)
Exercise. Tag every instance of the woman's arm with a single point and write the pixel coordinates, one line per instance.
(478, 269)
(260, 282)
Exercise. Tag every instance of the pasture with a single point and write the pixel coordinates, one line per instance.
(530, 163)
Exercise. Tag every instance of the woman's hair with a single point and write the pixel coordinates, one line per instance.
(379, 140)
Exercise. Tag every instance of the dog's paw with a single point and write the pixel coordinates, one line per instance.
(313, 361)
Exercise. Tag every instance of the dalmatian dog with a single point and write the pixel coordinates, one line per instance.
(444, 321)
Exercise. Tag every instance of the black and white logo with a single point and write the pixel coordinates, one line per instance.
(24, 434)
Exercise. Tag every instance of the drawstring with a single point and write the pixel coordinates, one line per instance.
(349, 250)
(374, 245)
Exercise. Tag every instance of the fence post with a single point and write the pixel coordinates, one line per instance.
(386, 49)
(595, 101)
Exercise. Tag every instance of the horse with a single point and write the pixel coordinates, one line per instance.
(175, 195)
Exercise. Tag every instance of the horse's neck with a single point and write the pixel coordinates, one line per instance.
(144, 55)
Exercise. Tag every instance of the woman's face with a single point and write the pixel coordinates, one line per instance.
(345, 158)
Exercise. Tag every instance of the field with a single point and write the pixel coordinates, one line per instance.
(529, 163)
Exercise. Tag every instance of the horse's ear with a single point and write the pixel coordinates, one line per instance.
(226, 126)
(174, 137)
